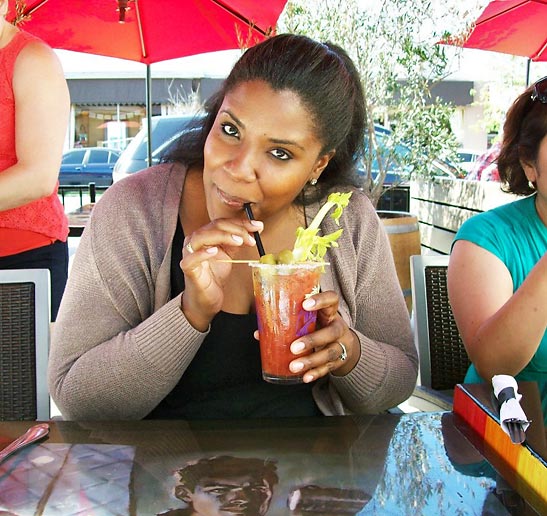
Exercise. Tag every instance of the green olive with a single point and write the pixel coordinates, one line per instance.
(268, 258)
(285, 257)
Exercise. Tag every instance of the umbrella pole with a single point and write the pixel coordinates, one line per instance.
(149, 111)
(528, 62)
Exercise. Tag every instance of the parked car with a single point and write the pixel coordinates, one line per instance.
(485, 167)
(166, 130)
(88, 165)
(467, 159)
(396, 174)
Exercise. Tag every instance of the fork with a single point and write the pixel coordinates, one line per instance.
(516, 432)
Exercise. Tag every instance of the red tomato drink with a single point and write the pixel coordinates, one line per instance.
(279, 293)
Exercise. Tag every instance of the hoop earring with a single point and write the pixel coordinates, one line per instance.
(531, 185)
(313, 181)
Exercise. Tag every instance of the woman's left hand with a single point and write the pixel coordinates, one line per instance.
(334, 347)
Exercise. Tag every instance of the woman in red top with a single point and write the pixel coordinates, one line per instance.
(34, 107)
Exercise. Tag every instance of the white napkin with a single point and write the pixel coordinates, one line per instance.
(510, 409)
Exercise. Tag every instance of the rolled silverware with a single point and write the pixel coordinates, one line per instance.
(516, 430)
(33, 434)
(513, 420)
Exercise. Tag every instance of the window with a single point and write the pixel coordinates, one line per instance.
(98, 156)
(74, 158)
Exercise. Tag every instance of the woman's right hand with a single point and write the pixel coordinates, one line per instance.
(205, 267)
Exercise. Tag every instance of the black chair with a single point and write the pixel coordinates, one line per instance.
(24, 344)
(443, 358)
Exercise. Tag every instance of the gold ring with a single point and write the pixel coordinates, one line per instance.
(344, 353)
(189, 248)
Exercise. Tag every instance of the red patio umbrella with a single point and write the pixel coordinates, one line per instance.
(516, 27)
(147, 31)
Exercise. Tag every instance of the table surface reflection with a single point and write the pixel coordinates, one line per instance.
(387, 464)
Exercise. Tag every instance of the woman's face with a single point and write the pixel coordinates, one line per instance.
(537, 171)
(262, 149)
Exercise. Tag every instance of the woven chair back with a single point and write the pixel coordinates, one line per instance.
(24, 344)
(449, 360)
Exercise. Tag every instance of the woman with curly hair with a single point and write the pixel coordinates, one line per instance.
(497, 277)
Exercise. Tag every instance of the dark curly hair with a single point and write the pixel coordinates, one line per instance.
(327, 82)
(524, 128)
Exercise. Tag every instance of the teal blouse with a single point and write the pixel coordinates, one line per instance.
(516, 235)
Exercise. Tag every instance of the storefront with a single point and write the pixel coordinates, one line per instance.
(109, 112)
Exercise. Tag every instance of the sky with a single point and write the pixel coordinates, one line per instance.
(214, 64)
(474, 64)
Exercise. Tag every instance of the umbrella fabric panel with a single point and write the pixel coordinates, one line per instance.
(154, 30)
(516, 27)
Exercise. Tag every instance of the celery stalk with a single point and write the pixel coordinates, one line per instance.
(310, 246)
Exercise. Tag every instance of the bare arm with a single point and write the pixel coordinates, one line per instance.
(42, 106)
(501, 330)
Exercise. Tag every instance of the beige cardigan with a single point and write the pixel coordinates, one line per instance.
(119, 345)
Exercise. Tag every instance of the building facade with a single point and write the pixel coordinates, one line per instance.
(109, 112)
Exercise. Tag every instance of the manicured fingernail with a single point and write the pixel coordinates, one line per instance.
(308, 378)
(257, 223)
(296, 366)
(297, 347)
(211, 250)
(252, 241)
(237, 239)
(308, 304)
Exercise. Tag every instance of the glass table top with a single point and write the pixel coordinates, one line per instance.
(387, 464)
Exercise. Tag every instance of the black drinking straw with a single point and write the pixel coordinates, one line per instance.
(249, 212)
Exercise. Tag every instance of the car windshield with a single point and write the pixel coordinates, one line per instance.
(163, 132)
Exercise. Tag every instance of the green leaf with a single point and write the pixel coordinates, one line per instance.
(310, 246)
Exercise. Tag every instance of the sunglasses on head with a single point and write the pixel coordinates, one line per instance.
(540, 91)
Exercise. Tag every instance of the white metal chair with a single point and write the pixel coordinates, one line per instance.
(24, 344)
(443, 358)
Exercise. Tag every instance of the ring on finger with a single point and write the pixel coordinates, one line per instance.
(189, 248)
(344, 353)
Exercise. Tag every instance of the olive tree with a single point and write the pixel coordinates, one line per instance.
(395, 46)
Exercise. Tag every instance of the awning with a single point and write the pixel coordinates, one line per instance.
(110, 92)
(132, 91)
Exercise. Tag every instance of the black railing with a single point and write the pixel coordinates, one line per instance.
(393, 199)
(73, 198)
(88, 192)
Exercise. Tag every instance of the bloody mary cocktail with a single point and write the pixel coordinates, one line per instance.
(279, 291)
